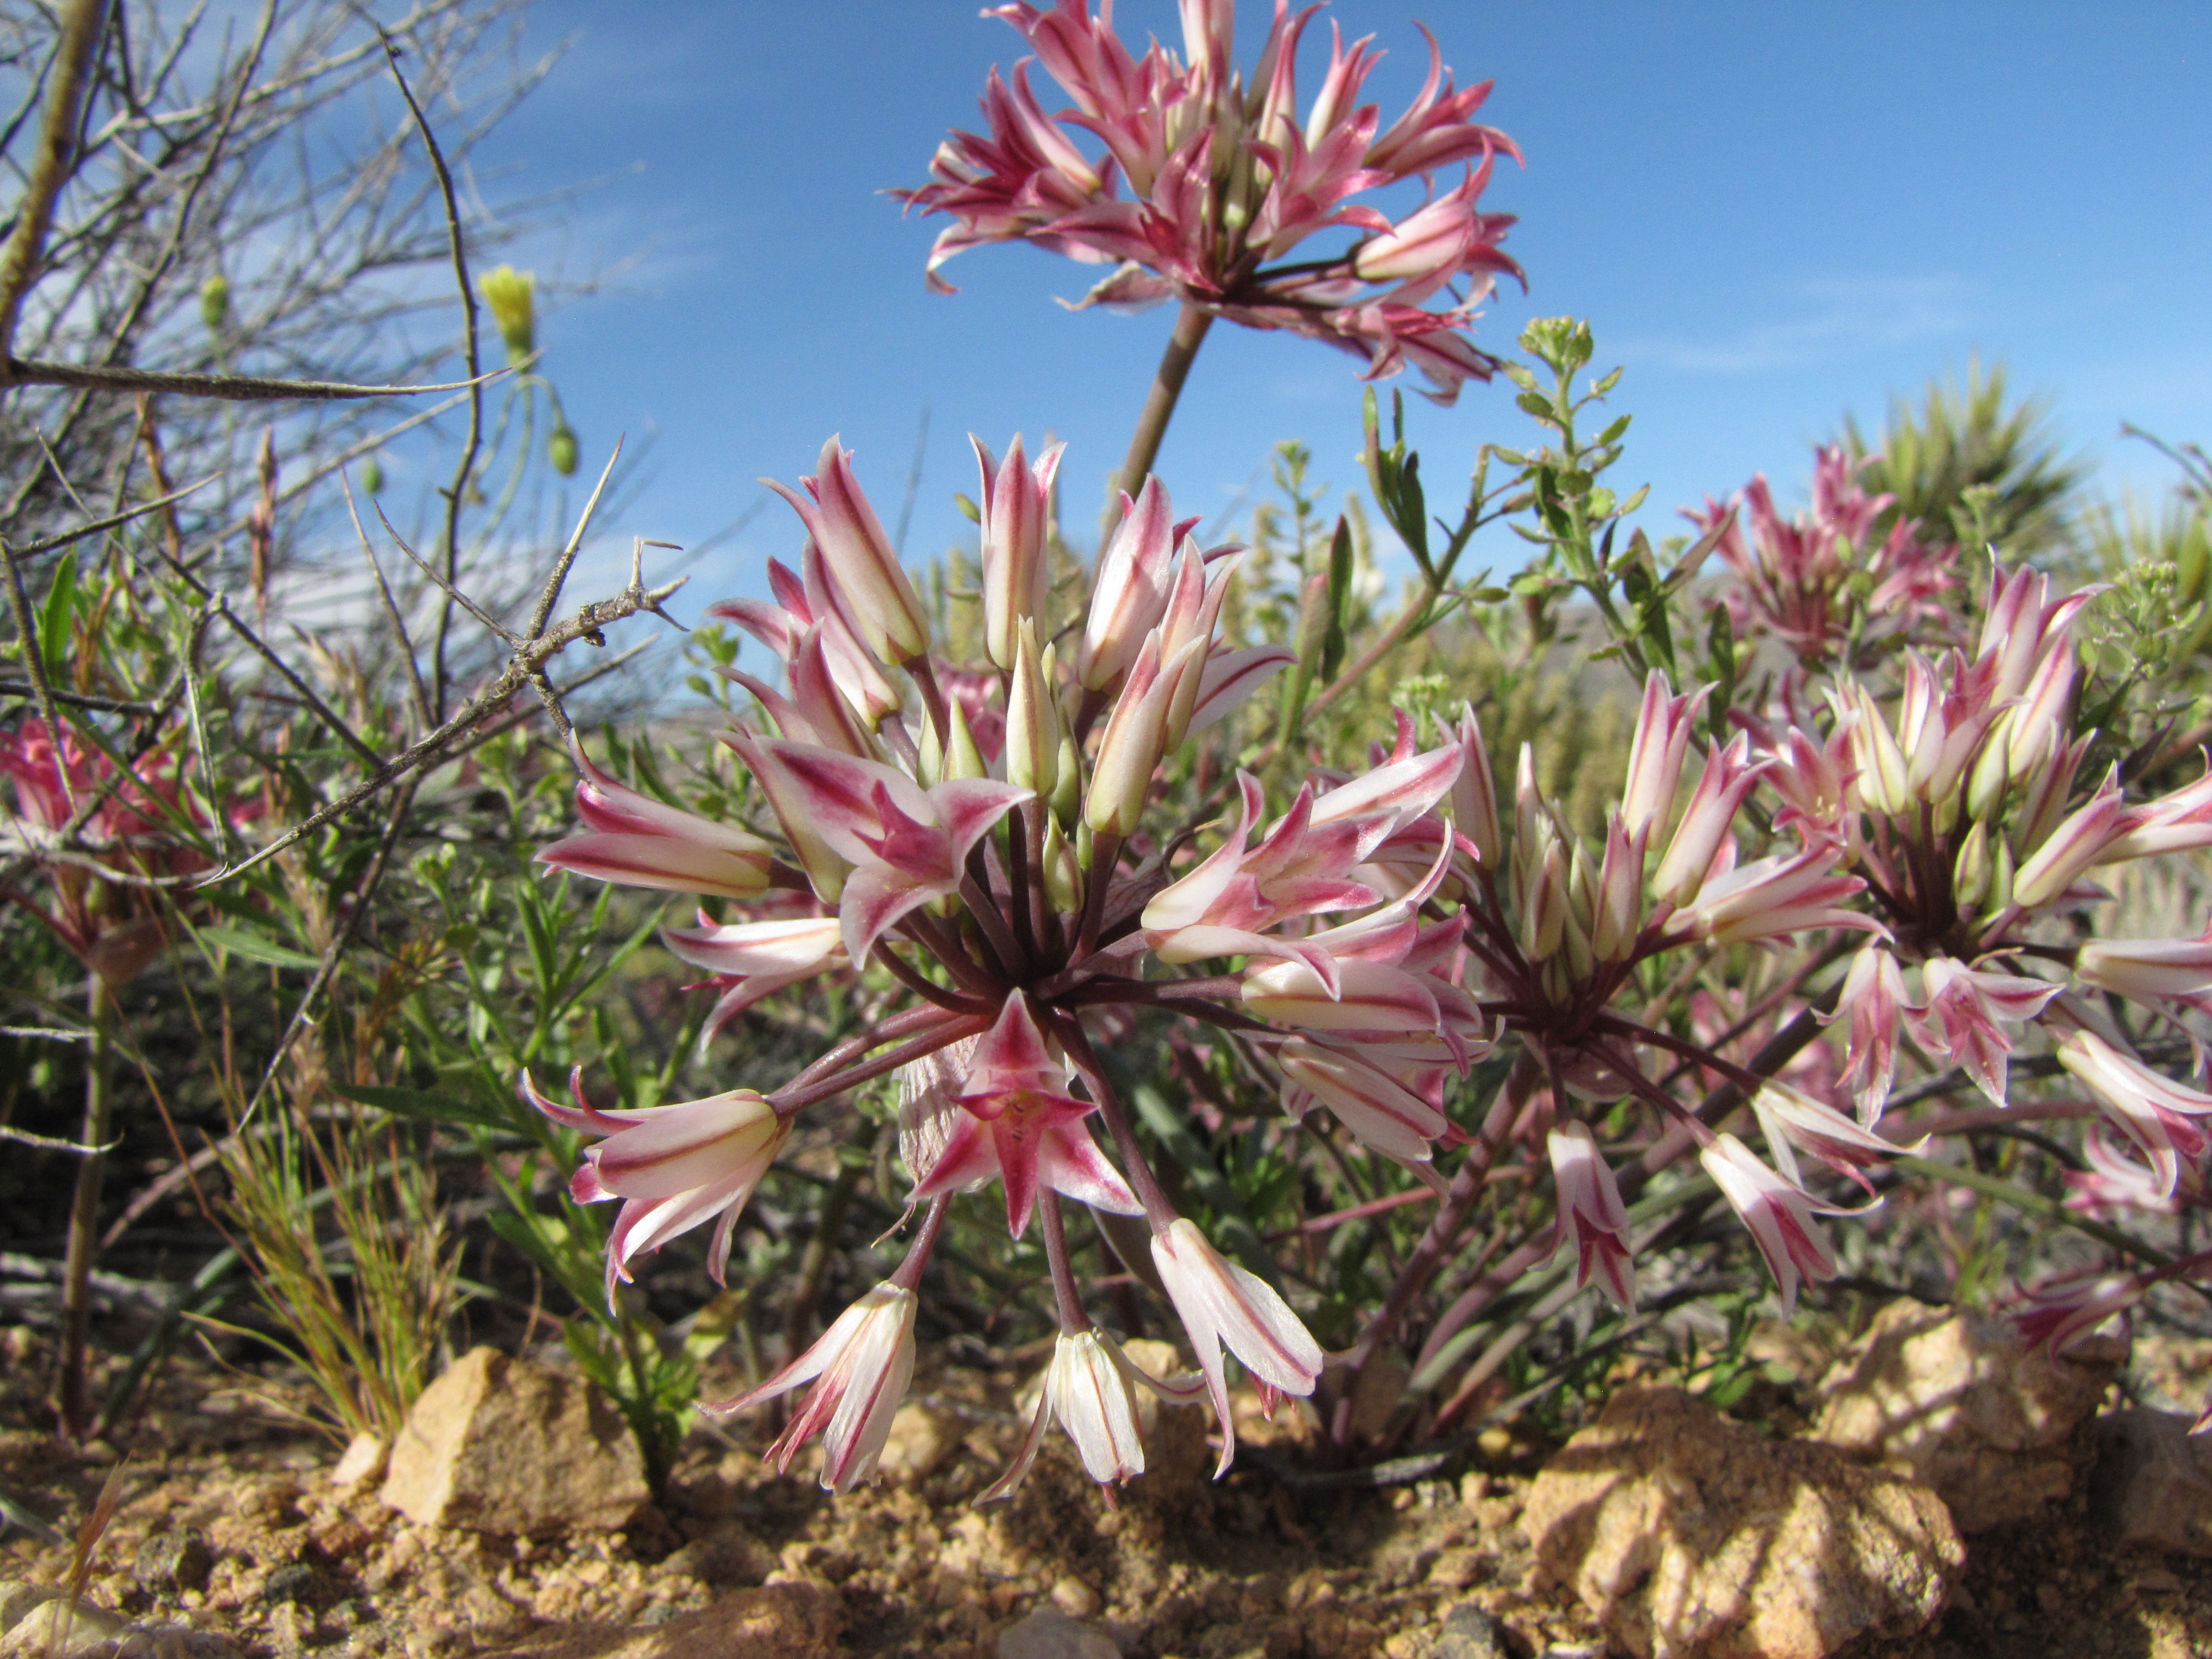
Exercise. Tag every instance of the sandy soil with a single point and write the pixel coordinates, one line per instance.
(1181, 1568)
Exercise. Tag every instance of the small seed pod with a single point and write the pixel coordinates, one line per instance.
(560, 450)
(214, 303)
(372, 476)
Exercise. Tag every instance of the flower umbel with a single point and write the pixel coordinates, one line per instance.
(1224, 181)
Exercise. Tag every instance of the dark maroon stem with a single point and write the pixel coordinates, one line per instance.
(908, 1276)
(1157, 1210)
(797, 1099)
(1068, 1299)
(1440, 1239)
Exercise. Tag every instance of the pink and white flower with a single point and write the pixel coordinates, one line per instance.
(860, 1369)
(1780, 1215)
(1223, 179)
(755, 959)
(674, 1167)
(1094, 1391)
(1873, 1004)
(634, 841)
(1020, 1123)
(1221, 1305)
(905, 845)
(1959, 1020)
(1591, 1213)
(2159, 1115)
(2068, 1307)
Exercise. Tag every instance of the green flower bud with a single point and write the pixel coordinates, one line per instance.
(214, 303)
(511, 294)
(1973, 869)
(372, 476)
(561, 451)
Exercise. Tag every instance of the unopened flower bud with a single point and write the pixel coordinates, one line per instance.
(214, 303)
(1067, 781)
(513, 295)
(1033, 734)
(1063, 878)
(560, 450)
(372, 476)
(1972, 870)
(964, 759)
(1987, 783)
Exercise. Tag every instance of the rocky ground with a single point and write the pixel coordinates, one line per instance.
(1662, 1529)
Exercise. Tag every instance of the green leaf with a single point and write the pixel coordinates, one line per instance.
(1339, 600)
(421, 1104)
(255, 948)
(54, 625)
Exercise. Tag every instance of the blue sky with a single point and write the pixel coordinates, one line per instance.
(1772, 215)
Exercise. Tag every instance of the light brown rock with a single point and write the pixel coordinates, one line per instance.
(365, 1458)
(921, 1438)
(504, 1446)
(1958, 1403)
(61, 1627)
(2153, 1481)
(18, 1597)
(776, 1621)
(1691, 1537)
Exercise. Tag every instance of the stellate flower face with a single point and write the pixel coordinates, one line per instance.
(674, 1167)
(905, 845)
(1961, 1019)
(1020, 1123)
(859, 1370)
(1225, 179)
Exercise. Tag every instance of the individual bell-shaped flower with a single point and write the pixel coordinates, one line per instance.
(859, 1369)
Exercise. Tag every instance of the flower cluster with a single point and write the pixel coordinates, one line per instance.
(128, 836)
(1818, 584)
(1224, 181)
(980, 839)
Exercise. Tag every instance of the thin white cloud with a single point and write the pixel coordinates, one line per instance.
(1835, 318)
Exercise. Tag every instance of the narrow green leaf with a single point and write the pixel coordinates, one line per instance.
(255, 948)
(421, 1104)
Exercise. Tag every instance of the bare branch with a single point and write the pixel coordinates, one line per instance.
(234, 388)
(57, 159)
(530, 659)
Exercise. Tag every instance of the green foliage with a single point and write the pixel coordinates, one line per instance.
(1969, 436)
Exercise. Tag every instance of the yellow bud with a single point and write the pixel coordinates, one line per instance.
(513, 296)
(214, 303)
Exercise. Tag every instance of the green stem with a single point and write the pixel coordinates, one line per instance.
(2035, 1204)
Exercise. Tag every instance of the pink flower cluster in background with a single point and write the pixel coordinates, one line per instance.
(1225, 180)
